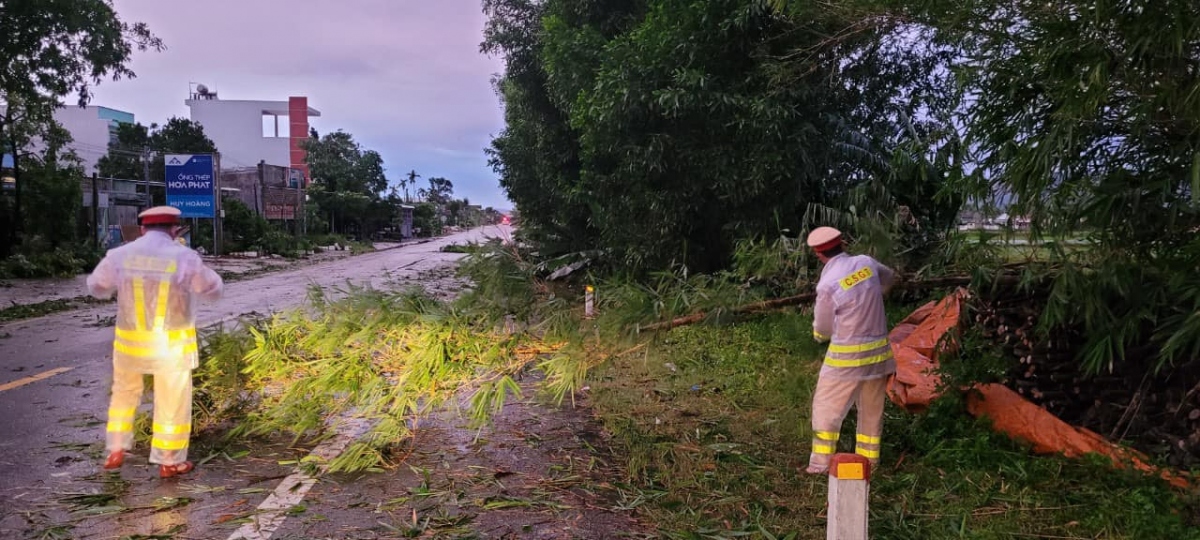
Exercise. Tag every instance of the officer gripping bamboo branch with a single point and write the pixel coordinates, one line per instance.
(849, 314)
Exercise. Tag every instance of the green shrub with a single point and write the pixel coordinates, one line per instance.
(327, 239)
(277, 242)
(62, 262)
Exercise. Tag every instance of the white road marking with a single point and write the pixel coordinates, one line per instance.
(273, 511)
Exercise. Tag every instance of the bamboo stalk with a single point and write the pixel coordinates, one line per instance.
(756, 307)
(771, 305)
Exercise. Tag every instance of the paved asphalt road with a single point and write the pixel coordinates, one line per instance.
(55, 374)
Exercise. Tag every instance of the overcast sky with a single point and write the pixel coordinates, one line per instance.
(405, 77)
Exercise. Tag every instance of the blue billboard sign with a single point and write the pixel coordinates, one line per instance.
(190, 185)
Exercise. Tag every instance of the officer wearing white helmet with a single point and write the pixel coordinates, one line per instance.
(849, 314)
(157, 282)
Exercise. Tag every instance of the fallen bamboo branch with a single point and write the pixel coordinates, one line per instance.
(766, 305)
(779, 303)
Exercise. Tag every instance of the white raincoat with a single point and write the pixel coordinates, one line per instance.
(157, 282)
(849, 314)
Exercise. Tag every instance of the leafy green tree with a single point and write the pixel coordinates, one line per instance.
(426, 221)
(1085, 114)
(664, 131)
(454, 212)
(340, 164)
(181, 136)
(53, 49)
(537, 153)
(54, 195)
(439, 192)
(348, 184)
(126, 155)
(409, 181)
(245, 229)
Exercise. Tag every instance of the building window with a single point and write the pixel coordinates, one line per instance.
(275, 126)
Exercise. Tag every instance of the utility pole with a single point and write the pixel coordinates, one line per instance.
(219, 212)
(146, 175)
(95, 213)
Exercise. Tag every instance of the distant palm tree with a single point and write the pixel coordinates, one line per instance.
(412, 181)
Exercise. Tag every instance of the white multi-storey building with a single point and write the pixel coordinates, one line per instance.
(251, 132)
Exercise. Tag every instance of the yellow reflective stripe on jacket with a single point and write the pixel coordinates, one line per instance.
(163, 444)
(116, 426)
(867, 439)
(149, 336)
(858, 362)
(139, 289)
(869, 454)
(149, 352)
(827, 435)
(139, 302)
(160, 305)
(820, 337)
(862, 347)
(824, 448)
(170, 429)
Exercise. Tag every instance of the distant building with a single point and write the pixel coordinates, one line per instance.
(251, 132)
(92, 129)
(971, 220)
(271, 191)
(406, 221)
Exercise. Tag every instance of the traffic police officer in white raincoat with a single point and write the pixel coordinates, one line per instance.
(157, 282)
(849, 314)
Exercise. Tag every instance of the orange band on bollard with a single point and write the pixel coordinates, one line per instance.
(850, 467)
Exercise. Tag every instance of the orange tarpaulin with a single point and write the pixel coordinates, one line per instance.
(917, 342)
(914, 341)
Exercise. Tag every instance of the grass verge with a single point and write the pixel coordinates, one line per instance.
(713, 421)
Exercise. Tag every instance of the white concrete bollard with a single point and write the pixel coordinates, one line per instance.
(589, 302)
(849, 480)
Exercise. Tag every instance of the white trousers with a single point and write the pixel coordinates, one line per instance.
(831, 403)
(172, 414)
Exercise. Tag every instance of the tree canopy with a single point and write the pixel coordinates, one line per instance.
(348, 183)
(663, 132)
(54, 50)
(177, 136)
(700, 122)
(1087, 116)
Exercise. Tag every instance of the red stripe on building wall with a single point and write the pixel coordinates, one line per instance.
(298, 118)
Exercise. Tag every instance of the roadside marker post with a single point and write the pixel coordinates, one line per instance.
(849, 482)
(589, 302)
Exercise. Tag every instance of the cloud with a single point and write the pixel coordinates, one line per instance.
(405, 77)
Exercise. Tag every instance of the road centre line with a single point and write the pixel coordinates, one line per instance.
(34, 378)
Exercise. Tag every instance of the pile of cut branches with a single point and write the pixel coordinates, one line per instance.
(389, 358)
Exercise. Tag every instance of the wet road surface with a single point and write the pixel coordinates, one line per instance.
(54, 379)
